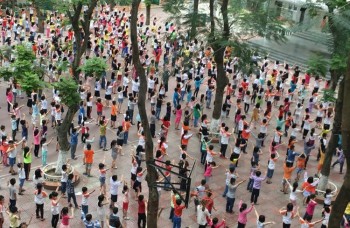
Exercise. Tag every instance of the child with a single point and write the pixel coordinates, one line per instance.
(64, 179)
(125, 201)
(14, 217)
(39, 201)
(70, 190)
(328, 198)
(21, 177)
(142, 207)
(84, 200)
(300, 166)
(137, 184)
(12, 193)
(230, 195)
(54, 208)
(287, 215)
(178, 114)
(260, 220)
(114, 185)
(271, 167)
(102, 178)
(293, 191)
(87, 219)
(340, 160)
(254, 167)
(101, 209)
(44, 146)
(243, 212)
(65, 217)
(310, 208)
(208, 171)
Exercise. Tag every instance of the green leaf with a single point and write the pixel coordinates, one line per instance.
(94, 66)
(329, 95)
(318, 65)
(30, 82)
(68, 91)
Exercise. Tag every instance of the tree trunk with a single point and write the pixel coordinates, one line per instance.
(41, 20)
(151, 177)
(333, 142)
(194, 20)
(148, 14)
(80, 49)
(62, 134)
(111, 4)
(343, 197)
(219, 51)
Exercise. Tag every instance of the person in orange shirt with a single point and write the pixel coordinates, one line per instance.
(114, 111)
(300, 165)
(126, 125)
(287, 174)
(88, 159)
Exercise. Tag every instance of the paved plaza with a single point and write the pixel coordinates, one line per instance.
(270, 201)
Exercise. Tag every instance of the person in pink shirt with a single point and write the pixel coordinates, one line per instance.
(36, 139)
(243, 211)
(9, 99)
(311, 204)
(208, 172)
(65, 217)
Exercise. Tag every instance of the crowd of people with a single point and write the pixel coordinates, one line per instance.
(273, 108)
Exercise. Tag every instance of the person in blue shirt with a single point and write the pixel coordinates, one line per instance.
(291, 154)
(176, 97)
(81, 114)
(87, 219)
(74, 142)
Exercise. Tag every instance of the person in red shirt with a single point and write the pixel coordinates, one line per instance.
(141, 212)
(209, 202)
(177, 213)
(99, 107)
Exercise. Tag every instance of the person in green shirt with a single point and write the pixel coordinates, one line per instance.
(27, 160)
(196, 114)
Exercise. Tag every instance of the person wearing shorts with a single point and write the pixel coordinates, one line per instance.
(88, 159)
(114, 185)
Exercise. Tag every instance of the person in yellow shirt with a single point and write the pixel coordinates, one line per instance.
(346, 215)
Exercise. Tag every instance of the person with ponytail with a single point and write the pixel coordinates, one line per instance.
(54, 208)
(243, 211)
(287, 215)
(65, 217)
(202, 215)
(310, 208)
(39, 201)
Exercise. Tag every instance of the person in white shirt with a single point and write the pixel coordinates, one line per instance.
(202, 214)
(150, 86)
(114, 185)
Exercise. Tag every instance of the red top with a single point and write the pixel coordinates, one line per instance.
(209, 203)
(99, 106)
(178, 210)
(142, 207)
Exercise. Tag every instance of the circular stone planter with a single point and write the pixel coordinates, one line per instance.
(53, 180)
(320, 195)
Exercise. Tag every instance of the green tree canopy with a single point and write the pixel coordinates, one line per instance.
(68, 90)
(94, 66)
